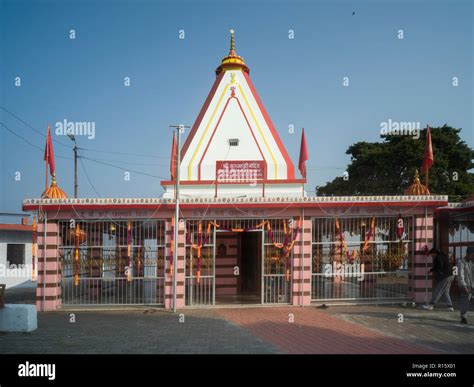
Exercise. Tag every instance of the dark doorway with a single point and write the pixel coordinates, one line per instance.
(250, 248)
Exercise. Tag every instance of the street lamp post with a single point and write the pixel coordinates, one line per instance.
(179, 129)
(73, 138)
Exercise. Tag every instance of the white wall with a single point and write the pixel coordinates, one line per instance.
(15, 278)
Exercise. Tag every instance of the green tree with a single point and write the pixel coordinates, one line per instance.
(388, 167)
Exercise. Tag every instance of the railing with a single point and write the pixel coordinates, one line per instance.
(375, 285)
(276, 289)
(113, 291)
(201, 293)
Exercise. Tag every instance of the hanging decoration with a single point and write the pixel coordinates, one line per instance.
(76, 256)
(289, 237)
(344, 248)
(129, 255)
(33, 250)
(238, 229)
(369, 234)
(202, 239)
(172, 247)
(399, 229)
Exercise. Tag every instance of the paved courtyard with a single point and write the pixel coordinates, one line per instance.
(337, 329)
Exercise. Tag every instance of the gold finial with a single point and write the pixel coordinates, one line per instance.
(416, 188)
(232, 61)
(232, 43)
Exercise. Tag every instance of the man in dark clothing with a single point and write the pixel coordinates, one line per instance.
(443, 274)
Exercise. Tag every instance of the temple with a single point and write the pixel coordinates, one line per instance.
(247, 231)
(233, 145)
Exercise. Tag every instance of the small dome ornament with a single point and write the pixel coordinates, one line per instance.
(416, 188)
(54, 192)
(232, 61)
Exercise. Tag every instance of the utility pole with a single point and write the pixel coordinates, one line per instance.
(179, 129)
(73, 138)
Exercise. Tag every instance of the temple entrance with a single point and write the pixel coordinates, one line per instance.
(250, 266)
(238, 262)
(238, 267)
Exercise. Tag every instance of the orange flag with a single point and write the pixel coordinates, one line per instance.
(49, 153)
(303, 155)
(428, 157)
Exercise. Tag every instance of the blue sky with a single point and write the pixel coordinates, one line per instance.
(299, 80)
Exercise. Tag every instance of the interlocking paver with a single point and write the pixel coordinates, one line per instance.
(317, 332)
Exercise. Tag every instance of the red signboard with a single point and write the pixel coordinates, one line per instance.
(240, 171)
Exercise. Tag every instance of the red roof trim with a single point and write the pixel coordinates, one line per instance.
(56, 207)
(211, 182)
(215, 129)
(15, 227)
(289, 164)
(203, 110)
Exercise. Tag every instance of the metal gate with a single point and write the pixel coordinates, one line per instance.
(113, 262)
(275, 271)
(361, 258)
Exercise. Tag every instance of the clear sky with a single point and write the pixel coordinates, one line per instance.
(299, 80)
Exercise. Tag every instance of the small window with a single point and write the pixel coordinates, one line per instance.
(233, 142)
(16, 254)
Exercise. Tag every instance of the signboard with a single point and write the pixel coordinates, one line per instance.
(240, 171)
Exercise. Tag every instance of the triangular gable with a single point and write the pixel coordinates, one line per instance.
(233, 110)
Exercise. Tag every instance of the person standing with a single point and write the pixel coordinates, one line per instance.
(464, 266)
(443, 274)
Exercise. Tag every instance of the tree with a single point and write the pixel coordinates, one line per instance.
(388, 167)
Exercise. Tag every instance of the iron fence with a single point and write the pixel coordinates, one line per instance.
(119, 262)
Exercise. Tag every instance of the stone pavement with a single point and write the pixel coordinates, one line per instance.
(138, 331)
(439, 330)
(337, 329)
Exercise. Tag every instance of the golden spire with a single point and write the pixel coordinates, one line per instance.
(54, 192)
(416, 188)
(232, 61)
(232, 43)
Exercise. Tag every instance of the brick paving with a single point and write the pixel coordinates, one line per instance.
(317, 332)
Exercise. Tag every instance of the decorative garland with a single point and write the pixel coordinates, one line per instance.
(172, 247)
(288, 243)
(33, 250)
(369, 234)
(201, 241)
(230, 229)
(129, 255)
(76, 256)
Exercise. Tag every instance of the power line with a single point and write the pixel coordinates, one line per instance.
(68, 146)
(124, 153)
(88, 179)
(29, 143)
(126, 162)
(31, 127)
(123, 169)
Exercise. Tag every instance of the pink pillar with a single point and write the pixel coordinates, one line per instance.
(302, 275)
(48, 290)
(419, 279)
(180, 268)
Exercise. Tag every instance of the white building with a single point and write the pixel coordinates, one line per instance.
(15, 255)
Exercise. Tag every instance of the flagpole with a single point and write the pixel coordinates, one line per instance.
(47, 159)
(46, 177)
(427, 185)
